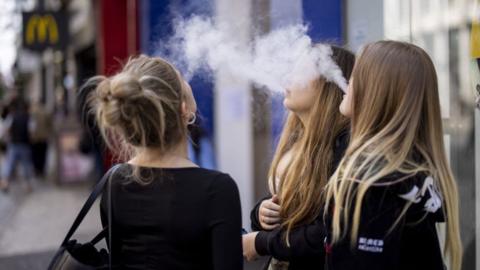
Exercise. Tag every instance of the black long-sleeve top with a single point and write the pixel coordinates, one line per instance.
(186, 218)
(412, 244)
(301, 255)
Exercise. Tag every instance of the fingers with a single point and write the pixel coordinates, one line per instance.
(265, 212)
(270, 220)
(270, 227)
(272, 205)
(275, 199)
(269, 214)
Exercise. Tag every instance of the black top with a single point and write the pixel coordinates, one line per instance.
(187, 218)
(413, 243)
(300, 256)
(19, 127)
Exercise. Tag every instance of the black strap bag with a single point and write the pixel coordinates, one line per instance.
(76, 256)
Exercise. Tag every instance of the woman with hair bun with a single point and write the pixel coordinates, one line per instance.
(167, 213)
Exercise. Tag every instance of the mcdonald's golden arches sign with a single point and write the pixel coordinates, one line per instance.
(43, 30)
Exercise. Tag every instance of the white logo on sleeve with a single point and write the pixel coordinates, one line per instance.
(415, 195)
(370, 245)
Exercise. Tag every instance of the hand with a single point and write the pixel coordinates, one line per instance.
(269, 213)
(249, 251)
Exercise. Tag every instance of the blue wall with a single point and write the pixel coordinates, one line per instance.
(156, 26)
(325, 19)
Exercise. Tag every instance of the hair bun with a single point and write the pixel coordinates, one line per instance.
(124, 87)
(120, 96)
(141, 106)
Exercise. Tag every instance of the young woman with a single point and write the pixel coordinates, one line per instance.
(167, 212)
(394, 184)
(312, 143)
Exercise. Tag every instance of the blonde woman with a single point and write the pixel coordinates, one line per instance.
(167, 212)
(312, 143)
(394, 184)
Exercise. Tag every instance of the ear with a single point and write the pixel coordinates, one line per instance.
(184, 109)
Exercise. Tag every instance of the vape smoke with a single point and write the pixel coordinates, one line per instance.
(284, 58)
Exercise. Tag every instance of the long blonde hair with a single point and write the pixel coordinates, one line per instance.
(140, 107)
(395, 117)
(305, 177)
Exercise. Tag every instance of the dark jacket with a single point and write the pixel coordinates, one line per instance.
(18, 130)
(301, 255)
(412, 244)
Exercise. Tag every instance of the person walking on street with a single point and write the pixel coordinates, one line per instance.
(18, 146)
(40, 128)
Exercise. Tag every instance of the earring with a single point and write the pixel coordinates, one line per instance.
(192, 119)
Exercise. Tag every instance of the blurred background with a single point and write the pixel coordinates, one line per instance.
(48, 48)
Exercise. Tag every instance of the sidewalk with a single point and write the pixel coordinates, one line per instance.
(33, 225)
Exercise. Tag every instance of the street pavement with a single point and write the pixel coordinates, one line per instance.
(32, 225)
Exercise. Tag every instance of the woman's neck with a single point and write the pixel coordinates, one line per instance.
(175, 157)
(303, 116)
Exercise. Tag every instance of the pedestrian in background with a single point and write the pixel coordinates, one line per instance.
(40, 129)
(16, 128)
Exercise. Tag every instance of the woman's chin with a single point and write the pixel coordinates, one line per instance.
(287, 104)
(344, 111)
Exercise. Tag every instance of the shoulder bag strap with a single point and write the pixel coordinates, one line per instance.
(110, 221)
(86, 207)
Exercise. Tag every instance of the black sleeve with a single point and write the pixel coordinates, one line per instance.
(376, 246)
(255, 222)
(305, 241)
(225, 223)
